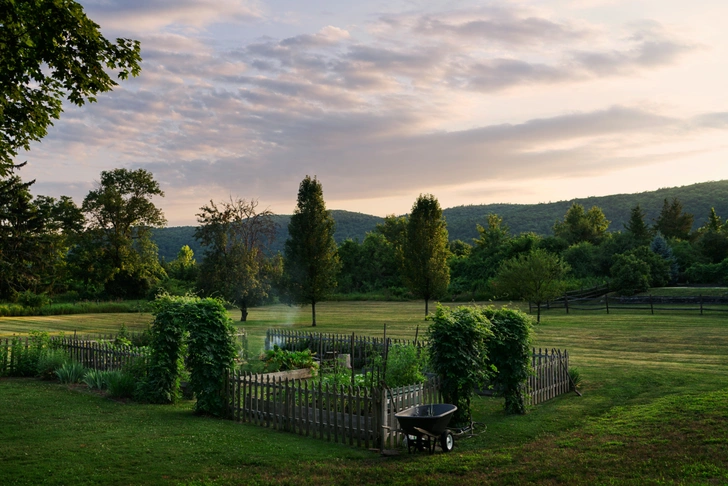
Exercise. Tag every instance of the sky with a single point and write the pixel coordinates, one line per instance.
(475, 102)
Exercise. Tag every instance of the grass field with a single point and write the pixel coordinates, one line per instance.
(654, 411)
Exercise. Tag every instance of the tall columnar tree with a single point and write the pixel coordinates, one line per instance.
(235, 236)
(311, 260)
(426, 250)
(673, 222)
(120, 215)
(712, 239)
(580, 225)
(50, 51)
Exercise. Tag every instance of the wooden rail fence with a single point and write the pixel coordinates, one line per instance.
(700, 304)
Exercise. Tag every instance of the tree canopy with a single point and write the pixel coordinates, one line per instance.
(50, 50)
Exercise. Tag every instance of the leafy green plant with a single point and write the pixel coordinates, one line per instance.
(458, 353)
(95, 379)
(120, 384)
(30, 299)
(575, 378)
(404, 366)
(278, 359)
(49, 361)
(71, 373)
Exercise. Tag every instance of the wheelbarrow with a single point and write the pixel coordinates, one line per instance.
(425, 426)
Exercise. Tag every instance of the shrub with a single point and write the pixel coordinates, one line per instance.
(71, 373)
(30, 299)
(49, 361)
(120, 384)
(458, 353)
(630, 275)
(509, 352)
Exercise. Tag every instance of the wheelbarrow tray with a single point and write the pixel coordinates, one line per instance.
(431, 420)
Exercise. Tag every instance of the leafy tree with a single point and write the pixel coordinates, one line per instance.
(426, 250)
(673, 222)
(120, 215)
(660, 247)
(535, 276)
(636, 225)
(583, 259)
(184, 267)
(50, 51)
(235, 236)
(630, 275)
(369, 266)
(311, 260)
(580, 225)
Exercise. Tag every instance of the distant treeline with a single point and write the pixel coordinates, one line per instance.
(462, 221)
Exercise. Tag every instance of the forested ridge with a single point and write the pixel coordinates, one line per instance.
(461, 221)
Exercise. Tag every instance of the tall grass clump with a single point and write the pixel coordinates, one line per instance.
(120, 384)
(71, 373)
(96, 379)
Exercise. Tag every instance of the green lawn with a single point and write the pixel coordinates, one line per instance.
(654, 410)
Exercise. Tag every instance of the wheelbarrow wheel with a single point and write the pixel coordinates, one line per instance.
(447, 441)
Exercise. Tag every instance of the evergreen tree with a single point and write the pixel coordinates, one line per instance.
(672, 222)
(426, 250)
(311, 260)
(636, 225)
(659, 246)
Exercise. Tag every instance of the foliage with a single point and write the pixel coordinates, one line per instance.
(168, 331)
(535, 276)
(576, 377)
(311, 261)
(582, 259)
(673, 222)
(49, 361)
(637, 227)
(579, 225)
(235, 236)
(425, 250)
(372, 266)
(71, 373)
(10, 310)
(211, 352)
(509, 353)
(51, 50)
(278, 359)
(458, 353)
(116, 249)
(404, 366)
(25, 353)
(95, 379)
(708, 273)
(120, 384)
(630, 275)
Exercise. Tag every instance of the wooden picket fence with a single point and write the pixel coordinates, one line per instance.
(100, 355)
(357, 416)
(550, 375)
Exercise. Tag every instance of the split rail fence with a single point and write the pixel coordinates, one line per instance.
(701, 304)
(360, 416)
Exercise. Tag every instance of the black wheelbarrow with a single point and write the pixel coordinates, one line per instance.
(425, 426)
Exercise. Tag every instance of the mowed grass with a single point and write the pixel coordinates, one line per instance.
(654, 410)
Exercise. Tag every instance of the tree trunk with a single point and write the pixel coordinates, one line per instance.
(243, 313)
(538, 312)
(313, 313)
(426, 308)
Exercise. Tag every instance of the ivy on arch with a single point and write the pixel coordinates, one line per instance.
(196, 331)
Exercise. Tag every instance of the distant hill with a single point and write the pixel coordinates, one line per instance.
(697, 199)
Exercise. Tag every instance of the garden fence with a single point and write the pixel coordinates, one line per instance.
(550, 376)
(361, 416)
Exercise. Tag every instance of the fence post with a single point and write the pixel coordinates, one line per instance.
(606, 301)
(652, 307)
(566, 302)
(701, 304)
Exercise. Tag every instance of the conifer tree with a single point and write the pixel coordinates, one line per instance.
(636, 225)
(311, 260)
(672, 222)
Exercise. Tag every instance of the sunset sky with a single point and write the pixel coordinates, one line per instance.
(475, 102)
